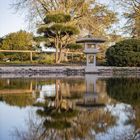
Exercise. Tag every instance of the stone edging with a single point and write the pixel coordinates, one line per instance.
(66, 70)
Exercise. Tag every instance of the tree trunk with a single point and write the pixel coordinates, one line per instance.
(56, 46)
(60, 56)
(56, 55)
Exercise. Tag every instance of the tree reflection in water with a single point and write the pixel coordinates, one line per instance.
(83, 125)
(60, 118)
(20, 100)
(127, 90)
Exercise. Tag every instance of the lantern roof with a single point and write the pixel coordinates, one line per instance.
(90, 39)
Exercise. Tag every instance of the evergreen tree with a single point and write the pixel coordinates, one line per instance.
(59, 29)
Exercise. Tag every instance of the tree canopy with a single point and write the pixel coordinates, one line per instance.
(132, 14)
(129, 15)
(20, 40)
(89, 14)
(59, 29)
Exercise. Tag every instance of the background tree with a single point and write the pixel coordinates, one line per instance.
(87, 14)
(1, 55)
(59, 29)
(132, 14)
(124, 53)
(130, 10)
(20, 40)
(1, 39)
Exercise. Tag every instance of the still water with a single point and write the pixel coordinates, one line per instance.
(89, 108)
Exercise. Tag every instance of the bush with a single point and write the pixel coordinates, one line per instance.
(2, 56)
(124, 53)
(46, 59)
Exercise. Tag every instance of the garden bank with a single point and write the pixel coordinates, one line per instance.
(66, 70)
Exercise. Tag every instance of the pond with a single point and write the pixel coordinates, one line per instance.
(89, 107)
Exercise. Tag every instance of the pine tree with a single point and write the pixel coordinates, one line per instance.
(59, 30)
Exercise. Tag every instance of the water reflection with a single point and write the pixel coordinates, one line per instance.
(86, 108)
(127, 91)
(92, 96)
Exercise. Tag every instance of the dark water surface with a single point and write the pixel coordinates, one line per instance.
(89, 108)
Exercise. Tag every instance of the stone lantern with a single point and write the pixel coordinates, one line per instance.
(91, 51)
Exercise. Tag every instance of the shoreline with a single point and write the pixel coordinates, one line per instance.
(61, 71)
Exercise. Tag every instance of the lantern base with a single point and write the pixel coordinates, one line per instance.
(91, 69)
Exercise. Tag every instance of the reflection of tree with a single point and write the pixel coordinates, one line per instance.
(67, 125)
(60, 122)
(72, 89)
(137, 118)
(89, 121)
(124, 90)
(14, 84)
(20, 100)
(127, 90)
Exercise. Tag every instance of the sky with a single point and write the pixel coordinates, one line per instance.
(9, 20)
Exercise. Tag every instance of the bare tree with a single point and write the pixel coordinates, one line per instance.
(87, 14)
(131, 12)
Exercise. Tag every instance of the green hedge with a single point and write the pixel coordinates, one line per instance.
(124, 53)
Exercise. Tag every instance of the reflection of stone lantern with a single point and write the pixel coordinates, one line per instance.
(91, 97)
(91, 50)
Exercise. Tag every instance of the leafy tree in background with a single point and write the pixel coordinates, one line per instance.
(20, 40)
(124, 53)
(1, 39)
(59, 29)
(1, 55)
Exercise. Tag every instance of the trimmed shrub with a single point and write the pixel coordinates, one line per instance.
(124, 53)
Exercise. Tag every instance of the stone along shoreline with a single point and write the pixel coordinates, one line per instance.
(66, 70)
